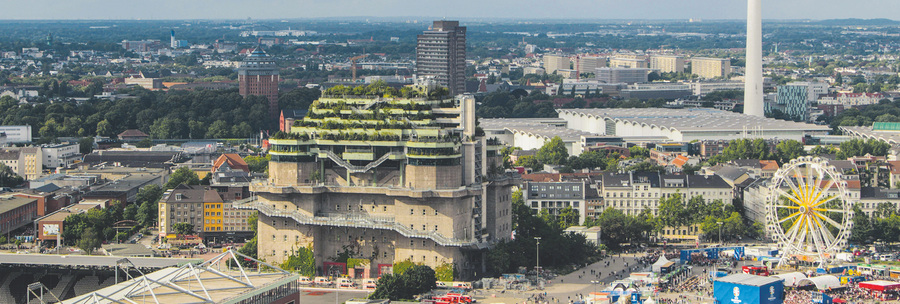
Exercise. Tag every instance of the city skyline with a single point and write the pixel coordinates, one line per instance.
(463, 10)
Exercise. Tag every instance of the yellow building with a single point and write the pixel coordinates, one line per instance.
(556, 62)
(710, 67)
(667, 64)
(199, 206)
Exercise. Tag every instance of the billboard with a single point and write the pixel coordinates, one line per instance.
(736, 293)
(50, 229)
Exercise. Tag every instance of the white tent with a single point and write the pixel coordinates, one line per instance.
(791, 279)
(649, 300)
(660, 263)
(822, 282)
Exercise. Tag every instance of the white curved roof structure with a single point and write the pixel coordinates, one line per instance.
(791, 279)
(822, 282)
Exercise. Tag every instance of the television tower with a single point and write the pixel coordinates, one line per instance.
(753, 81)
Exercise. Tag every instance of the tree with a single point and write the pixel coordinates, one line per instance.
(637, 151)
(787, 150)
(130, 212)
(86, 145)
(415, 280)
(104, 128)
(148, 199)
(302, 260)
(182, 175)
(258, 164)
(861, 232)
(401, 267)
(529, 161)
(8, 178)
(144, 143)
(672, 212)
(89, 241)
(445, 272)
(553, 152)
(646, 166)
(183, 228)
(390, 286)
(420, 279)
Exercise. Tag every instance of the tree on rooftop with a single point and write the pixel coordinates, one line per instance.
(8, 178)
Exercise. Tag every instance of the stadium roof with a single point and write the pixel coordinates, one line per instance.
(749, 279)
(210, 282)
(540, 127)
(891, 137)
(88, 261)
(700, 119)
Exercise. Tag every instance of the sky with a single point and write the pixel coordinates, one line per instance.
(449, 9)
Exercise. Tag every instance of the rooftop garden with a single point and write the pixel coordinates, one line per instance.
(382, 89)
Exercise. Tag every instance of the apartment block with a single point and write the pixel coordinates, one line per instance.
(667, 64)
(710, 67)
(552, 63)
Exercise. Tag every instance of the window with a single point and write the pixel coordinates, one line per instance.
(385, 208)
(411, 211)
(423, 227)
(435, 228)
(411, 243)
(423, 211)
(337, 207)
(285, 237)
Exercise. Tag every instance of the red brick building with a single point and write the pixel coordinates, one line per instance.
(258, 75)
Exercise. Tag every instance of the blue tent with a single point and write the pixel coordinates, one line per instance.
(744, 288)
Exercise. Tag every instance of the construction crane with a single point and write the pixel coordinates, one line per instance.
(353, 64)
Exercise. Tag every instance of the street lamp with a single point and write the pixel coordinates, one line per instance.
(720, 232)
(537, 267)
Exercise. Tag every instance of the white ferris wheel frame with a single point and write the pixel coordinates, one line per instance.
(810, 226)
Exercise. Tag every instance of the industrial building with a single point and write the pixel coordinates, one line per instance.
(685, 125)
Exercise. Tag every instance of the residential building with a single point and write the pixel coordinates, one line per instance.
(533, 70)
(555, 62)
(667, 64)
(25, 161)
(628, 63)
(145, 80)
(635, 192)
(441, 53)
(851, 99)
(258, 75)
(60, 155)
(589, 64)
(199, 206)
(567, 74)
(404, 192)
(622, 75)
(230, 168)
(710, 67)
(556, 196)
(793, 101)
(17, 134)
(133, 135)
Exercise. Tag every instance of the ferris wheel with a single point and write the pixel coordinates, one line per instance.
(807, 212)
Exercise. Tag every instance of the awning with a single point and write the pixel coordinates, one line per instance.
(880, 285)
(791, 279)
(824, 282)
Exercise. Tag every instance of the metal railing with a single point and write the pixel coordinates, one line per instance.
(356, 221)
(358, 169)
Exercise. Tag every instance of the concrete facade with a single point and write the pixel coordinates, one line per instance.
(386, 200)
